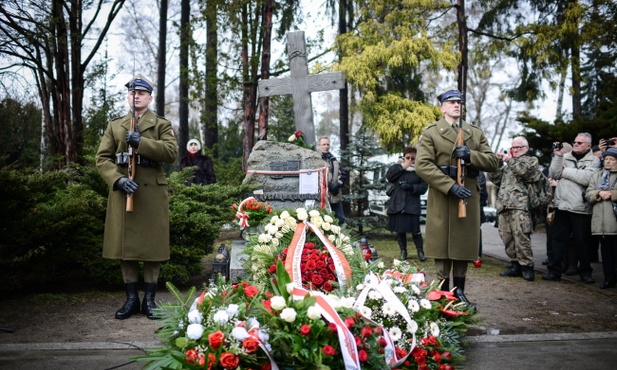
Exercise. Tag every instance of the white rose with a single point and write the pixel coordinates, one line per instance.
(335, 228)
(334, 301)
(264, 238)
(331, 237)
(275, 219)
(278, 235)
(302, 215)
(396, 263)
(284, 215)
(271, 229)
(326, 226)
(279, 223)
(275, 241)
(348, 302)
(288, 314)
(381, 265)
(314, 213)
(285, 229)
(194, 331)
(313, 313)
(195, 317)
(277, 303)
(328, 219)
(292, 138)
(290, 287)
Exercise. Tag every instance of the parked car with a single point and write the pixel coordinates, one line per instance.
(490, 213)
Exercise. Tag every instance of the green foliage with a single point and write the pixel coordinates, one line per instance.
(20, 133)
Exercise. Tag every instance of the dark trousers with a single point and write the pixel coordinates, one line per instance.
(578, 226)
(337, 208)
(608, 243)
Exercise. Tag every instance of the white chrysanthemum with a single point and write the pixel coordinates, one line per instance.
(331, 237)
(239, 333)
(381, 265)
(284, 215)
(395, 333)
(366, 312)
(277, 303)
(279, 223)
(221, 317)
(233, 310)
(415, 289)
(288, 314)
(434, 329)
(396, 263)
(328, 219)
(388, 309)
(314, 213)
(412, 327)
(425, 303)
(313, 313)
(373, 294)
(326, 226)
(194, 331)
(264, 238)
(195, 317)
(413, 305)
(399, 289)
(348, 302)
(255, 267)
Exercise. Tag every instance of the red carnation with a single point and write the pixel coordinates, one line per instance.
(328, 350)
(305, 329)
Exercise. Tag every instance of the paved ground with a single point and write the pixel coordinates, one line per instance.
(504, 352)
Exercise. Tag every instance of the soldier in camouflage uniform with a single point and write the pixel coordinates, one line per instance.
(515, 223)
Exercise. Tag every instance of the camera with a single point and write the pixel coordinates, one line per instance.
(608, 141)
(557, 145)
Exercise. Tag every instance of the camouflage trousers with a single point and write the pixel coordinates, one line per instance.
(515, 231)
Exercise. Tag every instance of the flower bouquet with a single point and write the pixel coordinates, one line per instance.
(251, 210)
(311, 301)
(298, 138)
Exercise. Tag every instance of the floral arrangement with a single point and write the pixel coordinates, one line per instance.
(250, 209)
(313, 302)
(298, 138)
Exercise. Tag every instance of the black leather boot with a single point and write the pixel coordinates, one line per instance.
(528, 273)
(131, 306)
(459, 292)
(514, 270)
(417, 240)
(401, 238)
(148, 304)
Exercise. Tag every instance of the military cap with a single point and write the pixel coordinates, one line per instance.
(139, 83)
(610, 151)
(448, 95)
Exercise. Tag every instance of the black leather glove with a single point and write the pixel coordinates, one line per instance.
(406, 186)
(127, 185)
(462, 152)
(334, 187)
(460, 191)
(133, 137)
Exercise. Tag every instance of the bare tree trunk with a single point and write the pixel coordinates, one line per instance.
(183, 110)
(210, 115)
(264, 102)
(160, 59)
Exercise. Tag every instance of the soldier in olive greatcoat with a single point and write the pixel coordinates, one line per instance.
(143, 234)
(452, 241)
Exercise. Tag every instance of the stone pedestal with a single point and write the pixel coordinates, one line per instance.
(237, 259)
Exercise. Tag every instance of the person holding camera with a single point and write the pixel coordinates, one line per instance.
(601, 193)
(336, 178)
(572, 211)
(404, 205)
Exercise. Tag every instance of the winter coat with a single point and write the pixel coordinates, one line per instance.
(336, 173)
(512, 180)
(204, 172)
(573, 176)
(143, 234)
(447, 235)
(603, 220)
(409, 187)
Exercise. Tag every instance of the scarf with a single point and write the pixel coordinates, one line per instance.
(604, 184)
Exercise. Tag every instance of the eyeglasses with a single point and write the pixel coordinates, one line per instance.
(518, 147)
(580, 142)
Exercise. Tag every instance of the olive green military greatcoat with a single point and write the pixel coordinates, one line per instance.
(447, 235)
(143, 234)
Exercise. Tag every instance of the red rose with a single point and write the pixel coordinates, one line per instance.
(362, 355)
(268, 305)
(309, 245)
(305, 329)
(191, 356)
(310, 265)
(211, 361)
(332, 327)
(350, 322)
(229, 361)
(266, 366)
(477, 263)
(328, 350)
(251, 291)
(216, 339)
(327, 286)
(382, 342)
(250, 344)
(317, 280)
(272, 269)
(298, 133)
(366, 331)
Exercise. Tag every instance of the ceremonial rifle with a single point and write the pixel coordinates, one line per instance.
(132, 156)
(460, 163)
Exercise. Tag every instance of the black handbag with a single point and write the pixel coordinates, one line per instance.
(390, 189)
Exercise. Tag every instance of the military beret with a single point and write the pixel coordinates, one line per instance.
(451, 94)
(610, 151)
(139, 83)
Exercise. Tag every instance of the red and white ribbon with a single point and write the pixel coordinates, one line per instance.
(243, 216)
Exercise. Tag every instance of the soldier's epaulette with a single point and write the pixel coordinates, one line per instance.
(431, 125)
(117, 118)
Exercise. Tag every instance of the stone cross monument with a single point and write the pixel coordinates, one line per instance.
(300, 85)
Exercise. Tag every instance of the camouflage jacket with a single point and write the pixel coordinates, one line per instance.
(512, 181)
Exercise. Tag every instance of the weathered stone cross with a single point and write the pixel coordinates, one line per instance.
(301, 85)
